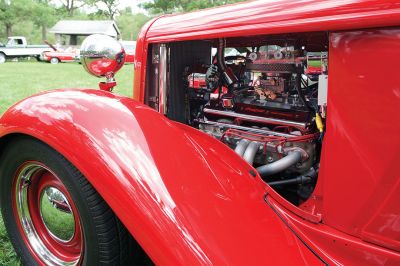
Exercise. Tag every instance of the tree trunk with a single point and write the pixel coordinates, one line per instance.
(71, 8)
(44, 32)
(9, 30)
(110, 11)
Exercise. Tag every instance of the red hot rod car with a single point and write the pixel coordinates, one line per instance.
(230, 152)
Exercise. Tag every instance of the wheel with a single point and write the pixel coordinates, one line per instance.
(54, 60)
(2, 58)
(52, 213)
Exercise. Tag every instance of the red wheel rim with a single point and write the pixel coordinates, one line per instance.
(47, 217)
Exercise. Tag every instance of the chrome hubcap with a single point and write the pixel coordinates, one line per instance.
(57, 214)
(48, 220)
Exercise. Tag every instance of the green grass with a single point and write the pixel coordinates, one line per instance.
(314, 63)
(7, 254)
(19, 80)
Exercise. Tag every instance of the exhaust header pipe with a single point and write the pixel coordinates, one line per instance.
(278, 166)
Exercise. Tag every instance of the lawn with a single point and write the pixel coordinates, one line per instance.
(19, 80)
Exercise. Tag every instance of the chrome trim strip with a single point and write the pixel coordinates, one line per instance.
(255, 130)
(253, 118)
(162, 81)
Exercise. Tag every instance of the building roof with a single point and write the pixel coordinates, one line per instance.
(275, 16)
(86, 27)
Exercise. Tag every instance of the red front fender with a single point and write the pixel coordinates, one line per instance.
(185, 197)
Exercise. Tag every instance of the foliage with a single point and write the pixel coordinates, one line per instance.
(29, 18)
(12, 12)
(108, 8)
(70, 6)
(170, 6)
(130, 24)
(188, 5)
(33, 18)
(44, 15)
(161, 6)
(32, 32)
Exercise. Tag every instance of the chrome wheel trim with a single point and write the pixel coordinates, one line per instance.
(23, 180)
(62, 206)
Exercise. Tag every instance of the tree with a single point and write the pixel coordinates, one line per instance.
(169, 6)
(107, 7)
(11, 12)
(188, 5)
(161, 6)
(44, 15)
(130, 24)
(71, 5)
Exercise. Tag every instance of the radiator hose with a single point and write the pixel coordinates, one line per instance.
(299, 180)
(228, 76)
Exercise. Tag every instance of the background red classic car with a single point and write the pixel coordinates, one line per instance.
(67, 55)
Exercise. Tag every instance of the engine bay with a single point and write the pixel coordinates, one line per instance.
(264, 97)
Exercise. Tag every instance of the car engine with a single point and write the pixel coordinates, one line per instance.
(268, 103)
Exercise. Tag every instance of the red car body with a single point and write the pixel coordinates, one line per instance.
(129, 47)
(190, 200)
(60, 205)
(129, 57)
(61, 56)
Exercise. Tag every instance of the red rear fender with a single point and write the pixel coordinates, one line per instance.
(184, 196)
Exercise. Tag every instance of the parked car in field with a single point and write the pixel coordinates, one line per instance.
(219, 159)
(316, 63)
(129, 47)
(17, 46)
(67, 55)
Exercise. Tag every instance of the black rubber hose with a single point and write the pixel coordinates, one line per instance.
(300, 93)
(227, 75)
(292, 181)
(220, 55)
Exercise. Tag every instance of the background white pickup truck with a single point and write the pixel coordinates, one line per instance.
(17, 46)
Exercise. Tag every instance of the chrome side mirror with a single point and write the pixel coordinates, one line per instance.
(102, 56)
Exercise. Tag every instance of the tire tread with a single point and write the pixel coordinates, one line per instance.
(112, 240)
(112, 247)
